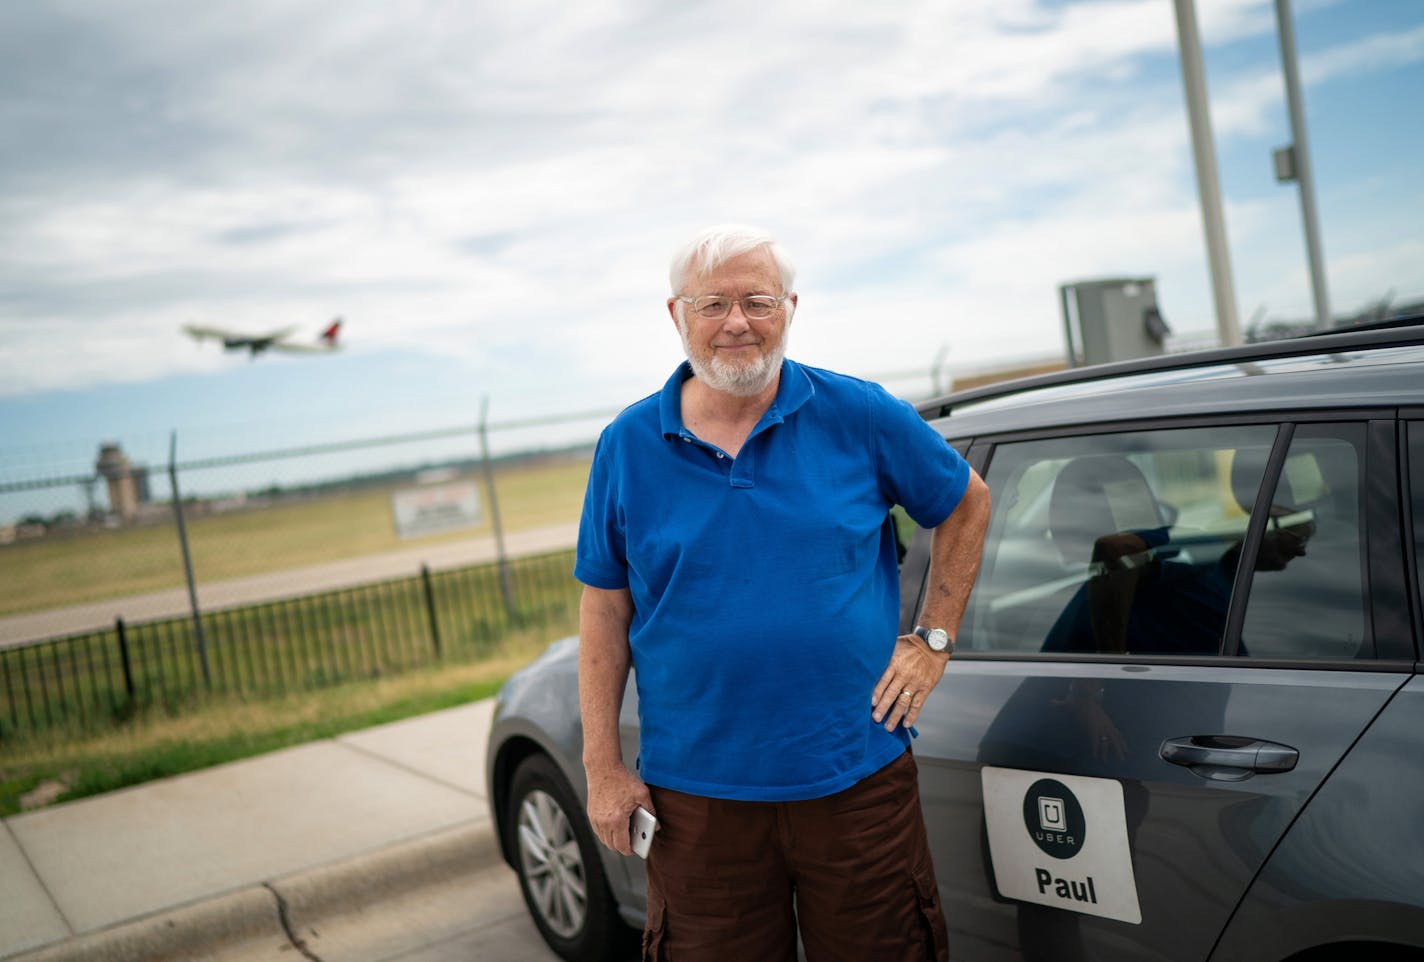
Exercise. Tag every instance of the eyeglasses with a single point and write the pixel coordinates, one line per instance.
(714, 307)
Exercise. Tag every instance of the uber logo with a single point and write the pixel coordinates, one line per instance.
(1054, 818)
(1060, 840)
(1050, 814)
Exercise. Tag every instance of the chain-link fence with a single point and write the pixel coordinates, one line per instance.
(164, 530)
(160, 572)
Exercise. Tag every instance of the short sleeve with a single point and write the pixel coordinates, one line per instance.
(917, 468)
(600, 560)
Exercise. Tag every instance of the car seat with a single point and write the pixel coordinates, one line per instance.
(1094, 496)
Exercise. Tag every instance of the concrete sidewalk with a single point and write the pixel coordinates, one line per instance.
(198, 865)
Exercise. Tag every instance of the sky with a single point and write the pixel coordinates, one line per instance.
(489, 194)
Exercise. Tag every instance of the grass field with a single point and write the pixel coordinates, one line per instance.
(61, 571)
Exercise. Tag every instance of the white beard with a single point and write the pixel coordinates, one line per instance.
(741, 380)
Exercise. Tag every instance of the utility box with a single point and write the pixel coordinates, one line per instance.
(1112, 320)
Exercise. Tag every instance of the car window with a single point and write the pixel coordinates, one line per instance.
(1307, 596)
(1123, 543)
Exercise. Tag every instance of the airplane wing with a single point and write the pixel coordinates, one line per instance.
(236, 339)
(200, 333)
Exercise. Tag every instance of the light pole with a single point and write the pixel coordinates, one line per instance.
(1208, 187)
(1293, 164)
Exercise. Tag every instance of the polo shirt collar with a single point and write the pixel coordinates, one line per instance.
(794, 390)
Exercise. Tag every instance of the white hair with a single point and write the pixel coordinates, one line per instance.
(713, 247)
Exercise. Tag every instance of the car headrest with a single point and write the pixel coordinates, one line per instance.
(1248, 467)
(1095, 496)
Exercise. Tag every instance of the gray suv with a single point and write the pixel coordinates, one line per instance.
(1183, 721)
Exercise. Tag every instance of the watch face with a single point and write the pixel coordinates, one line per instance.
(936, 638)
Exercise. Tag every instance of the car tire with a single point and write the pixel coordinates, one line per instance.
(560, 872)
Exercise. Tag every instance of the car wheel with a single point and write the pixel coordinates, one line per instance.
(559, 869)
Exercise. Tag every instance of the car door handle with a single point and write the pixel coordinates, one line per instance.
(1228, 758)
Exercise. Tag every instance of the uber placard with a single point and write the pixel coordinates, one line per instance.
(1060, 840)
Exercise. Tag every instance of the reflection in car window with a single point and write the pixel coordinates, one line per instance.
(1122, 543)
(1307, 591)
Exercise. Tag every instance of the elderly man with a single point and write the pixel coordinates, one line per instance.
(736, 551)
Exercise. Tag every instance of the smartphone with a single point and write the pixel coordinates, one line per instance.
(641, 827)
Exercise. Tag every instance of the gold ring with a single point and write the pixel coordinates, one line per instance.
(906, 693)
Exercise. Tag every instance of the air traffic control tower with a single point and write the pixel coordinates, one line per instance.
(113, 465)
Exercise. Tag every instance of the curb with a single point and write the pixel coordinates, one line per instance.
(387, 873)
(261, 916)
(246, 916)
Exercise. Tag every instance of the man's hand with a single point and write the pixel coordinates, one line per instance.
(901, 692)
(956, 544)
(613, 793)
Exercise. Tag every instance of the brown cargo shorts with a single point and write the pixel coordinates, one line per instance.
(730, 880)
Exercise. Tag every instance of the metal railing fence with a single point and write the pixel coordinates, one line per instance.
(98, 678)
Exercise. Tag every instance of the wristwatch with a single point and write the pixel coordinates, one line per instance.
(937, 638)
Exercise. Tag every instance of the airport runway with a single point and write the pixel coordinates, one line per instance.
(275, 585)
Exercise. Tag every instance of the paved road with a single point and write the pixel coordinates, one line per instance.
(38, 625)
(479, 918)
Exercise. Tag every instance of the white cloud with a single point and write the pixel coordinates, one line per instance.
(483, 182)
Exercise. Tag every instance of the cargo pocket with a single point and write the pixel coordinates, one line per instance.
(654, 930)
(931, 915)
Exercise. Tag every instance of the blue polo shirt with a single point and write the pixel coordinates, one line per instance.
(765, 590)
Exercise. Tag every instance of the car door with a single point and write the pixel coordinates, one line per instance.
(1158, 668)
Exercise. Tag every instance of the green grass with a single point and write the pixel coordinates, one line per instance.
(156, 744)
(93, 565)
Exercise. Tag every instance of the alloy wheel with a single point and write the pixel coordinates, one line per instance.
(553, 866)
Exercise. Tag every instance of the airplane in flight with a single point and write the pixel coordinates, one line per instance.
(255, 344)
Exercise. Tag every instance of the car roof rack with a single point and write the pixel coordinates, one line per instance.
(1394, 332)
